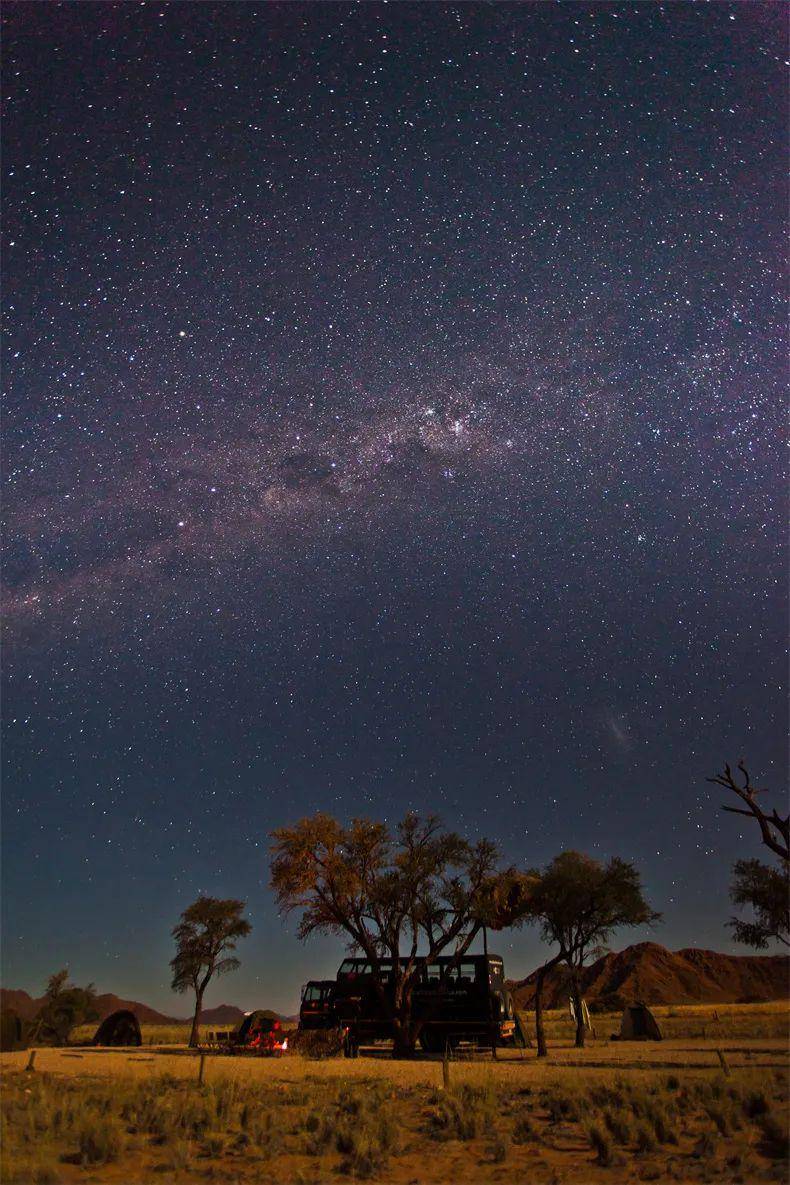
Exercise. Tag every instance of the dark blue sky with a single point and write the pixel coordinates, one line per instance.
(394, 412)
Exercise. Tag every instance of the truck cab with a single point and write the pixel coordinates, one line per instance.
(315, 1010)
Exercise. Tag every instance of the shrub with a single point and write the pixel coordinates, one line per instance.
(497, 1151)
(524, 1131)
(317, 1044)
(357, 1124)
(320, 1137)
(179, 1157)
(645, 1140)
(364, 1158)
(619, 1125)
(564, 1105)
(705, 1147)
(100, 1141)
(260, 1126)
(600, 1141)
(724, 1118)
(774, 1141)
(662, 1125)
(755, 1104)
(214, 1143)
(462, 1114)
(365, 1144)
(24, 1172)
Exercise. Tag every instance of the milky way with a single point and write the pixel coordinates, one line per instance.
(393, 419)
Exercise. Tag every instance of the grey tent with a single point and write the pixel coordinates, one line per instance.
(119, 1028)
(13, 1030)
(639, 1024)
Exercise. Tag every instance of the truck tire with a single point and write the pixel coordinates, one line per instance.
(436, 1040)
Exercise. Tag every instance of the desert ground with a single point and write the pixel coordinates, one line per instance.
(709, 1103)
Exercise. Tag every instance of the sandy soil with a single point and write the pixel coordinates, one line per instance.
(626, 1057)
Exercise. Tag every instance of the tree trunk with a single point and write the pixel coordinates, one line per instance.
(577, 1006)
(193, 1036)
(540, 1033)
(404, 1039)
(404, 1030)
(539, 1030)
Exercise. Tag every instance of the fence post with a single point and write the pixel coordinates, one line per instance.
(31, 1060)
(202, 1070)
(446, 1069)
(723, 1061)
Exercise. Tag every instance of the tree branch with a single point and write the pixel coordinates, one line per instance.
(774, 829)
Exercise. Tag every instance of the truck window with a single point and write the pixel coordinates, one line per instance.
(462, 975)
(354, 967)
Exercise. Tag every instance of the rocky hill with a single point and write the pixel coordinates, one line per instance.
(656, 975)
(27, 1006)
(223, 1014)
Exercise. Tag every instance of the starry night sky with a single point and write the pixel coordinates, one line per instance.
(393, 420)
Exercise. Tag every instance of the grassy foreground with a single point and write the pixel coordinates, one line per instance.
(615, 1112)
(485, 1127)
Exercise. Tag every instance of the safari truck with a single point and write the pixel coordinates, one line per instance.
(455, 999)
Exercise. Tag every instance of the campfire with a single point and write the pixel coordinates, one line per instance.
(267, 1037)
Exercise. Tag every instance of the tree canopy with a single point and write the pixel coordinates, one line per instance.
(579, 902)
(384, 892)
(65, 1008)
(767, 891)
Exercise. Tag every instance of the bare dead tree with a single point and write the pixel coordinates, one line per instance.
(774, 829)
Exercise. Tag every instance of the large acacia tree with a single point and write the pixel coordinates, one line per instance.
(208, 931)
(578, 902)
(390, 895)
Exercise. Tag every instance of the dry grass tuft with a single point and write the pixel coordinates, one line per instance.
(601, 1142)
(462, 1113)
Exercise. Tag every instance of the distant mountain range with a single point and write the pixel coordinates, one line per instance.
(27, 1006)
(656, 975)
(645, 971)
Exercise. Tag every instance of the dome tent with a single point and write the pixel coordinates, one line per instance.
(639, 1024)
(13, 1030)
(119, 1028)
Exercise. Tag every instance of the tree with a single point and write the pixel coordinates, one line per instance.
(578, 902)
(774, 829)
(766, 889)
(388, 895)
(65, 1007)
(208, 930)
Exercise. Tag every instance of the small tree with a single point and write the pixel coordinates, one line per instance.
(766, 889)
(208, 930)
(578, 902)
(65, 1007)
(388, 895)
